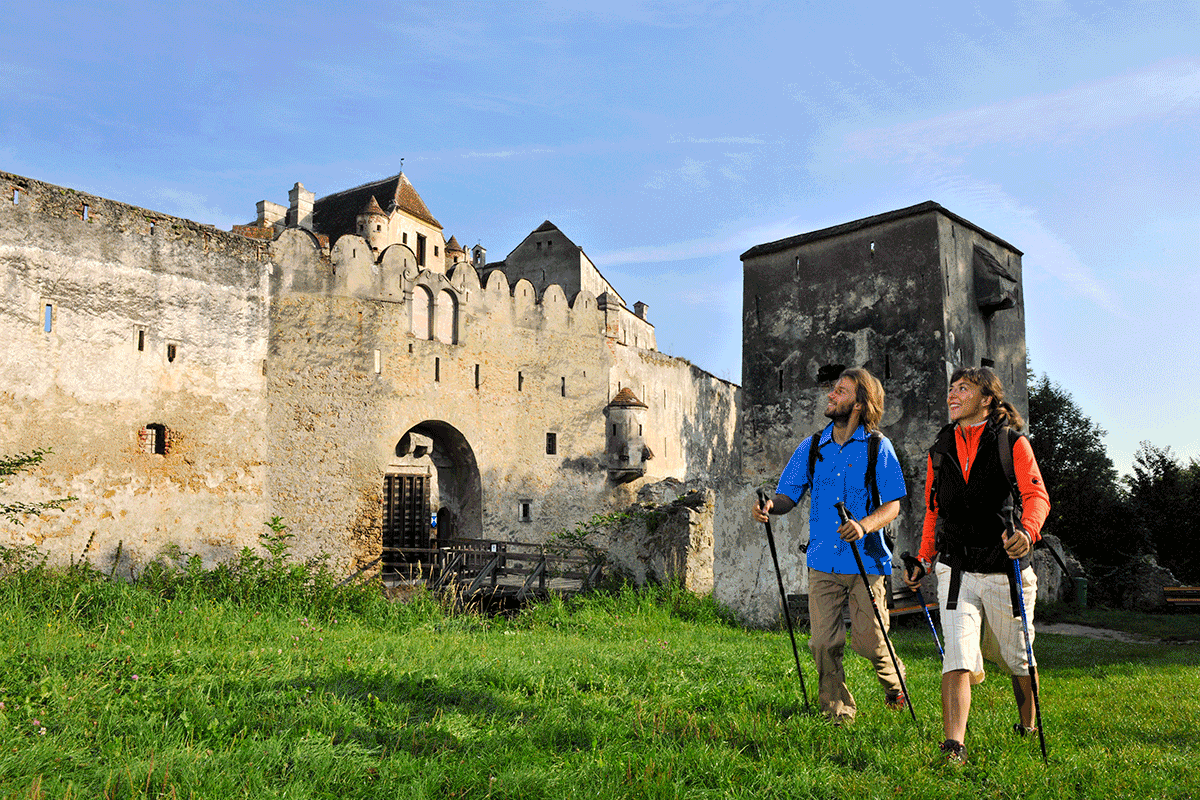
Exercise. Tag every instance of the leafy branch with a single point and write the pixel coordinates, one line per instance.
(21, 462)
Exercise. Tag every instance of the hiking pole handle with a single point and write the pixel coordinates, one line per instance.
(862, 572)
(911, 564)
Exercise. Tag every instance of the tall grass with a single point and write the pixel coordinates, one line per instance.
(265, 679)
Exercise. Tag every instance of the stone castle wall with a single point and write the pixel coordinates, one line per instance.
(155, 320)
(295, 381)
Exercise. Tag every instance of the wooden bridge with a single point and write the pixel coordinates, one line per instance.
(490, 572)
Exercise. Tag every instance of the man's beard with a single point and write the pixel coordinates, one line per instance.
(839, 413)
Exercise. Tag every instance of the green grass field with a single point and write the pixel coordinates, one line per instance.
(181, 688)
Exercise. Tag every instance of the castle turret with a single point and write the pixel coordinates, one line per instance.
(373, 224)
(626, 450)
(454, 253)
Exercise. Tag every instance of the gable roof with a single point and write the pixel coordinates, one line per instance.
(867, 222)
(337, 214)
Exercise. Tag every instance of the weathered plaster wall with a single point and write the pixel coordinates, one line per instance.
(84, 389)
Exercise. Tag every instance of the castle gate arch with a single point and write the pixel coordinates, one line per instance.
(433, 471)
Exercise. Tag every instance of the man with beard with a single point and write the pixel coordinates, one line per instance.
(840, 471)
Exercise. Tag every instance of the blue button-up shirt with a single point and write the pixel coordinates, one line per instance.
(840, 476)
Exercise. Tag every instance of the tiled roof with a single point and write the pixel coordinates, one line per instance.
(627, 399)
(453, 244)
(337, 214)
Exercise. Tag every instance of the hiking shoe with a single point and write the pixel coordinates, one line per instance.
(1021, 730)
(895, 700)
(953, 752)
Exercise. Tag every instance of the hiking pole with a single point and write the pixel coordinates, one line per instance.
(762, 503)
(862, 571)
(1033, 681)
(909, 564)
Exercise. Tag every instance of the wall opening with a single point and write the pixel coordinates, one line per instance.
(437, 369)
(830, 373)
(171, 353)
(525, 510)
(562, 387)
(48, 318)
(520, 382)
(140, 339)
(155, 439)
(551, 444)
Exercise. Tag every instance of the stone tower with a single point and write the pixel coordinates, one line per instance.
(910, 295)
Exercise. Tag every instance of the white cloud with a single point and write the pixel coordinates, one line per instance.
(718, 140)
(1163, 90)
(507, 153)
(1050, 253)
(731, 243)
(692, 174)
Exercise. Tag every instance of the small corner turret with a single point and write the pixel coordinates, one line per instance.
(626, 450)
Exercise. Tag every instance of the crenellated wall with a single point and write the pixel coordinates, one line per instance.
(195, 382)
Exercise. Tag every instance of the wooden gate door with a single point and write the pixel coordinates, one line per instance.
(405, 519)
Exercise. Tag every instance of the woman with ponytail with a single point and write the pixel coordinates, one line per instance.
(976, 524)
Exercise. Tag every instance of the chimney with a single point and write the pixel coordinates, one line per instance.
(640, 309)
(270, 215)
(300, 214)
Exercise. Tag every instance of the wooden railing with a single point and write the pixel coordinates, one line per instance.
(484, 566)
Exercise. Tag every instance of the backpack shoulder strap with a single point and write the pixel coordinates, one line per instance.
(873, 443)
(814, 454)
(935, 461)
(1006, 441)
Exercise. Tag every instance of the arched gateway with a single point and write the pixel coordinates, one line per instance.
(433, 471)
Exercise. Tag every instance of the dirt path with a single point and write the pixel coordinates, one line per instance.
(1067, 629)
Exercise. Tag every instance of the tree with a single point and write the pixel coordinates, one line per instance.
(1087, 503)
(13, 464)
(1164, 499)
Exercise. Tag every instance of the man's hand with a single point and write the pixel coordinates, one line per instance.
(761, 511)
(851, 531)
(1018, 545)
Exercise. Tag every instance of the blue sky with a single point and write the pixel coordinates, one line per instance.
(667, 138)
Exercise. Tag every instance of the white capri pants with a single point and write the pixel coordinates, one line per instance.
(983, 625)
